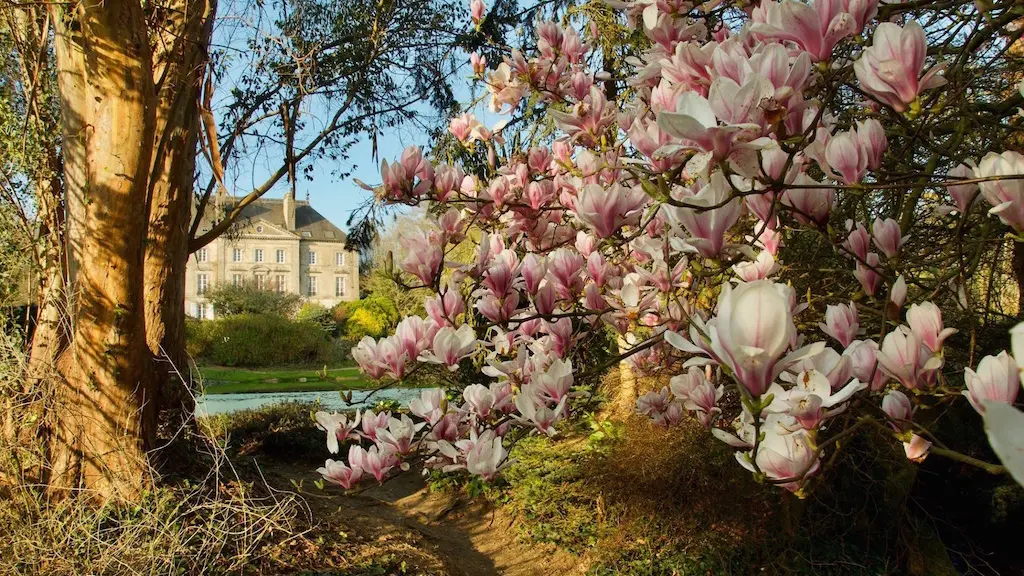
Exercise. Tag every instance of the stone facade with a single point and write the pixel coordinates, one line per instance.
(280, 245)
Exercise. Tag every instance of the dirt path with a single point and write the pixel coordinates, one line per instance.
(438, 533)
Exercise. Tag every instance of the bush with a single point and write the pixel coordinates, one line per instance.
(317, 314)
(247, 298)
(373, 316)
(255, 340)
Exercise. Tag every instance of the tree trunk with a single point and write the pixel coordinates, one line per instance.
(98, 441)
(180, 42)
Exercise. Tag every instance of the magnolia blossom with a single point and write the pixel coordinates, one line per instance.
(487, 456)
(897, 407)
(917, 448)
(890, 69)
(1005, 196)
(606, 210)
(996, 380)
(754, 328)
(841, 323)
(450, 346)
(886, 234)
(816, 28)
(712, 213)
(925, 321)
(340, 473)
(846, 155)
(338, 427)
(963, 195)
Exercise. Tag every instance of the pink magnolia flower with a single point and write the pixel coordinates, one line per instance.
(606, 210)
(886, 234)
(370, 422)
(588, 120)
(696, 119)
(377, 462)
(480, 399)
(487, 456)
(784, 455)
(846, 155)
(653, 402)
(1005, 196)
(338, 427)
(898, 293)
(476, 11)
(873, 141)
(429, 405)
(423, 256)
(754, 328)
(367, 357)
(897, 407)
(341, 474)
(706, 225)
(963, 195)
(866, 275)
(809, 204)
(925, 321)
(900, 356)
(890, 69)
(816, 28)
(996, 380)
(400, 184)
(917, 449)
(761, 268)
(842, 323)
(450, 346)
(535, 412)
(445, 308)
(864, 363)
(397, 437)
(415, 334)
(479, 64)
(858, 241)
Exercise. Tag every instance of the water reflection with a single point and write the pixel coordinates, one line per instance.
(223, 403)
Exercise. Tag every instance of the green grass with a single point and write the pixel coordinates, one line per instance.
(221, 380)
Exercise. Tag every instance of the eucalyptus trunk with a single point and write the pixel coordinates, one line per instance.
(100, 429)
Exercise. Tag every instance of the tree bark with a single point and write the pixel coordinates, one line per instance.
(180, 42)
(624, 404)
(98, 441)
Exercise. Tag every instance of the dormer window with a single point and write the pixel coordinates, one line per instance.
(259, 229)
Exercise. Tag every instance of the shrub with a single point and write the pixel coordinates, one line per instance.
(315, 313)
(374, 316)
(254, 340)
(247, 298)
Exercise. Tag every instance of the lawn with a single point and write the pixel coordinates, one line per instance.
(224, 380)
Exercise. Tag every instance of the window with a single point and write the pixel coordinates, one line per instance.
(311, 286)
(236, 280)
(312, 258)
(202, 255)
(236, 254)
(280, 283)
(261, 282)
(339, 286)
(339, 258)
(202, 311)
(202, 283)
(257, 255)
(279, 257)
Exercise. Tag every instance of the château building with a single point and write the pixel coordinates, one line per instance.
(277, 244)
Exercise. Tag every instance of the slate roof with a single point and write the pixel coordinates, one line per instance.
(309, 224)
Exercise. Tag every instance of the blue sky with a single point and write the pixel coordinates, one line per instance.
(335, 198)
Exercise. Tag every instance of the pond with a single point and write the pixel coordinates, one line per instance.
(224, 403)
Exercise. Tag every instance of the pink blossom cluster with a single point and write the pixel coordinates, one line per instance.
(662, 217)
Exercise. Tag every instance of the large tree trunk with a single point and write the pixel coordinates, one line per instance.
(99, 436)
(180, 41)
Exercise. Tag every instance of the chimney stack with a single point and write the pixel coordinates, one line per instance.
(289, 211)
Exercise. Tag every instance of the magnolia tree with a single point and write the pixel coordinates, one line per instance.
(665, 215)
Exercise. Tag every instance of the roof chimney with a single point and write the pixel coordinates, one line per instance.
(288, 205)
